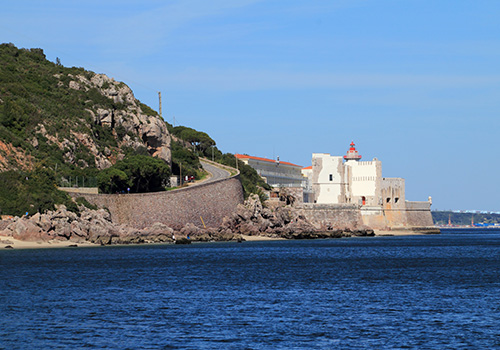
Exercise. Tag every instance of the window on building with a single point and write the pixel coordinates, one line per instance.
(388, 200)
(396, 199)
(331, 177)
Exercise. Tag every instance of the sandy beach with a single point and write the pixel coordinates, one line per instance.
(261, 238)
(6, 241)
(398, 233)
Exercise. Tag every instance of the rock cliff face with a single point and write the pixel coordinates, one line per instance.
(70, 116)
(130, 125)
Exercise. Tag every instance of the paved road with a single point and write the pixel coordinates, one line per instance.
(217, 173)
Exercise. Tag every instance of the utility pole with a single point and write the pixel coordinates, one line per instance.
(159, 98)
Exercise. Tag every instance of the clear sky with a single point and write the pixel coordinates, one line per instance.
(414, 83)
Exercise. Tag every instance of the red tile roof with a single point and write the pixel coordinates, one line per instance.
(307, 167)
(245, 156)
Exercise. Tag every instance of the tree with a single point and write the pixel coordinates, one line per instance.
(137, 173)
(112, 180)
(183, 157)
(200, 140)
(31, 192)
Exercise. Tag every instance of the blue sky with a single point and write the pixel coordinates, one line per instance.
(414, 83)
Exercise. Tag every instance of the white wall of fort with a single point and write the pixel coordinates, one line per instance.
(328, 179)
(364, 181)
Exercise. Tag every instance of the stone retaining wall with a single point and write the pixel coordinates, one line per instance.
(211, 201)
(331, 215)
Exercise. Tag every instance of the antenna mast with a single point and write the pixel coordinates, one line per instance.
(159, 98)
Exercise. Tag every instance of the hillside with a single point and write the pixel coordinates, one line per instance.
(70, 119)
(59, 123)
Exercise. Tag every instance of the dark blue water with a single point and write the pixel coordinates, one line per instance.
(414, 292)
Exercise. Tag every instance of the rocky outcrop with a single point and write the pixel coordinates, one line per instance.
(251, 218)
(90, 225)
(132, 125)
(10, 155)
(95, 226)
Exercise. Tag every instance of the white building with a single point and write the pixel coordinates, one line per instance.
(276, 173)
(347, 179)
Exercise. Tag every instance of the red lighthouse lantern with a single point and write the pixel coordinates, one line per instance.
(352, 153)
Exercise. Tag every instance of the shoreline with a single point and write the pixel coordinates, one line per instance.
(18, 244)
(6, 241)
(262, 238)
(385, 233)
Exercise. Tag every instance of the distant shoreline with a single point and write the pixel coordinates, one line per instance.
(468, 227)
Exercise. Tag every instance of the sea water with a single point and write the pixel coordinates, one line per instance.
(411, 292)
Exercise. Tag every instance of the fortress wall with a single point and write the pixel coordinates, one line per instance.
(334, 215)
(414, 215)
(419, 214)
(212, 201)
(374, 217)
(395, 217)
(393, 201)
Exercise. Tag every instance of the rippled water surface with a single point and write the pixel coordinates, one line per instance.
(416, 292)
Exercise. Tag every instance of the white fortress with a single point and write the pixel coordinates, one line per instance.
(353, 181)
(348, 180)
(341, 191)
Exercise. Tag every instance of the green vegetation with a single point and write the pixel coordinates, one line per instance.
(464, 218)
(36, 92)
(184, 161)
(31, 94)
(85, 203)
(147, 110)
(31, 192)
(137, 173)
(39, 116)
(203, 145)
(198, 139)
(251, 181)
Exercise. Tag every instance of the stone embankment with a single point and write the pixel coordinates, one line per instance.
(95, 226)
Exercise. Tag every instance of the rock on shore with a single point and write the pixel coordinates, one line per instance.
(252, 218)
(95, 226)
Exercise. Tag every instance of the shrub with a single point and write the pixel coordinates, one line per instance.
(30, 192)
(139, 173)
